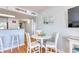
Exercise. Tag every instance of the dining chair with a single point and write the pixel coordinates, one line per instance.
(1, 44)
(15, 40)
(35, 46)
(52, 43)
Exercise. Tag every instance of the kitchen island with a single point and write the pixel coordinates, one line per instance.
(7, 38)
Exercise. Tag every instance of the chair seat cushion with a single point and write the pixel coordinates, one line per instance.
(50, 44)
(35, 44)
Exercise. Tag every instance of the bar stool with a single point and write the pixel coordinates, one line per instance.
(1, 43)
(15, 38)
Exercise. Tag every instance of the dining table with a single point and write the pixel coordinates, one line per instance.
(41, 38)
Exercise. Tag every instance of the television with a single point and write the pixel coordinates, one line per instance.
(73, 17)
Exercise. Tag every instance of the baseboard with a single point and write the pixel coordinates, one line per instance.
(11, 47)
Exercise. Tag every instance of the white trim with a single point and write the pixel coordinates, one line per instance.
(13, 47)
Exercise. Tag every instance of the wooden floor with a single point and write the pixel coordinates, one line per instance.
(22, 49)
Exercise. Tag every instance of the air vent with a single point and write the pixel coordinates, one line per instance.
(22, 10)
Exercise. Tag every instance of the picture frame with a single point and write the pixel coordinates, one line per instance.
(48, 19)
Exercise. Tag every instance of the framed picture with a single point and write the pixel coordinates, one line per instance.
(48, 19)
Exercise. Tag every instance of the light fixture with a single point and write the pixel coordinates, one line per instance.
(6, 15)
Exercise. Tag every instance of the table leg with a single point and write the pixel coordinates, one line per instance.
(41, 44)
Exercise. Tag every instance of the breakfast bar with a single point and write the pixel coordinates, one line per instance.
(9, 38)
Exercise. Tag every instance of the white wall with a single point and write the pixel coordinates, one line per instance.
(59, 25)
(13, 25)
(10, 24)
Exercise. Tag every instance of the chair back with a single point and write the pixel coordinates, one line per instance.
(15, 40)
(1, 43)
(28, 39)
(56, 38)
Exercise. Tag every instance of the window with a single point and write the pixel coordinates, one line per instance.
(3, 25)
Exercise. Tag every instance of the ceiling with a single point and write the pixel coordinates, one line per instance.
(16, 14)
(34, 8)
(37, 9)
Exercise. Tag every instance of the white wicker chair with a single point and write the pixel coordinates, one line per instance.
(1, 43)
(32, 45)
(13, 39)
(50, 44)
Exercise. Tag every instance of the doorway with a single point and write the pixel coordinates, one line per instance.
(28, 26)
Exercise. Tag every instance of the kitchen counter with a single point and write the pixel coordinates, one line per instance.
(7, 37)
